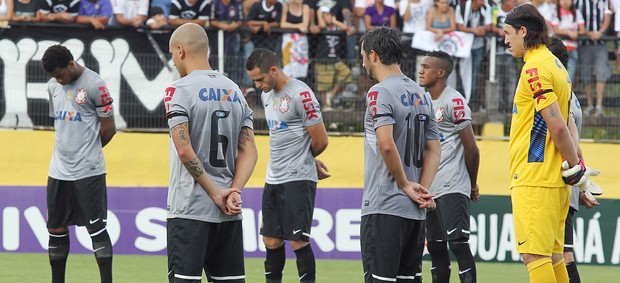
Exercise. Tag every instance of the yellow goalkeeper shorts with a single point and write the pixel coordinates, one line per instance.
(539, 215)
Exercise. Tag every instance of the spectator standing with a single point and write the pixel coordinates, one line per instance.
(593, 53)
(228, 16)
(414, 14)
(6, 10)
(360, 7)
(380, 15)
(157, 18)
(331, 73)
(25, 11)
(505, 63)
(265, 15)
(440, 19)
(62, 11)
(295, 49)
(130, 12)
(569, 23)
(343, 12)
(94, 12)
(473, 16)
(189, 11)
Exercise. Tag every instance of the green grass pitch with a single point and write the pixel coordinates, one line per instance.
(137, 269)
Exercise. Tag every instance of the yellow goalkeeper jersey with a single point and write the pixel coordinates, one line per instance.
(534, 159)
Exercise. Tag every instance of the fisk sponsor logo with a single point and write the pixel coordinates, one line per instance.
(69, 116)
(308, 105)
(219, 94)
(534, 80)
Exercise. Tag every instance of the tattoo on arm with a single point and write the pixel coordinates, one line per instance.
(244, 136)
(181, 133)
(552, 113)
(194, 167)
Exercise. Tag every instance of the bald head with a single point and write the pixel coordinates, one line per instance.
(192, 37)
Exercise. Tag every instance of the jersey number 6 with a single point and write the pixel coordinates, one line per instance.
(217, 139)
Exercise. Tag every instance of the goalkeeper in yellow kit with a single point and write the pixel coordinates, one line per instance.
(539, 142)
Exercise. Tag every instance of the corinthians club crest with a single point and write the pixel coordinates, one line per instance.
(284, 103)
(80, 97)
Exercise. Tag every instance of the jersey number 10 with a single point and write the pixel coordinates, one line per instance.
(416, 138)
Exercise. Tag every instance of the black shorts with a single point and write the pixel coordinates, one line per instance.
(81, 202)
(568, 231)
(288, 209)
(392, 248)
(450, 220)
(216, 248)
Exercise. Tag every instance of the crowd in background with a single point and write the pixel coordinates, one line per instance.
(327, 30)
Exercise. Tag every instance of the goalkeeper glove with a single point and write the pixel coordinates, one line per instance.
(587, 186)
(573, 176)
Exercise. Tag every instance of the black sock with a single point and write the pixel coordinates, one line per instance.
(306, 266)
(467, 266)
(58, 252)
(440, 259)
(573, 273)
(102, 247)
(274, 264)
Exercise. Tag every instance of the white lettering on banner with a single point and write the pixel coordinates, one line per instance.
(615, 254)
(115, 62)
(578, 239)
(320, 232)
(156, 232)
(594, 240)
(249, 230)
(344, 225)
(348, 226)
(10, 235)
(507, 242)
(479, 241)
(37, 222)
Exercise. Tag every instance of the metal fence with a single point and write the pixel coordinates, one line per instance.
(347, 105)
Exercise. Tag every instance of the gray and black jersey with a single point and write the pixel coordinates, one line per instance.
(575, 109)
(288, 112)
(71, 7)
(216, 112)
(76, 109)
(402, 103)
(182, 9)
(452, 115)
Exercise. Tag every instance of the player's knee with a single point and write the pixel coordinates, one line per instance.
(298, 244)
(460, 249)
(96, 227)
(58, 231)
(437, 247)
(272, 243)
(102, 246)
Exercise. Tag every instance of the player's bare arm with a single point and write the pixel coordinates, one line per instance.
(108, 129)
(559, 133)
(182, 143)
(472, 159)
(244, 166)
(391, 157)
(318, 134)
(430, 166)
(574, 132)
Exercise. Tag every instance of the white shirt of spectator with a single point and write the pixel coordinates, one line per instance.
(417, 21)
(474, 17)
(130, 8)
(569, 23)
